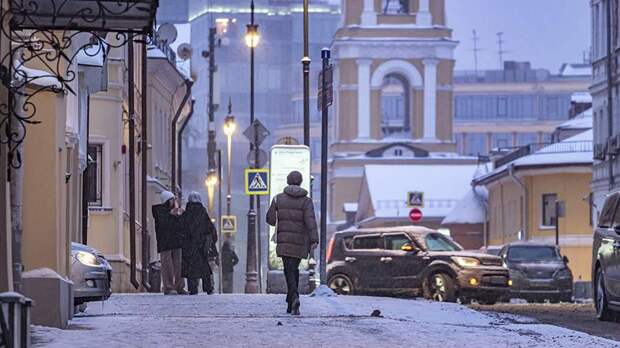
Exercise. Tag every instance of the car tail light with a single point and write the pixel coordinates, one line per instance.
(330, 250)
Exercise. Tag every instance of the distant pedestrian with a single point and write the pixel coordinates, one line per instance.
(292, 212)
(198, 245)
(169, 234)
(229, 261)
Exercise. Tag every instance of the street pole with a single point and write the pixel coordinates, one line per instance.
(251, 275)
(325, 56)
(219, 214)
(557, 223)
(305, 61)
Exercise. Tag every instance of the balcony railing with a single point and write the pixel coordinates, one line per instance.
(542, 148)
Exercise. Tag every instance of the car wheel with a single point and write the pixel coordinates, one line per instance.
(567, 298)
(603, 312)
(442, 288)
(341, 284)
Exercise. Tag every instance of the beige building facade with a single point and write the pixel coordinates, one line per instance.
(393, 91)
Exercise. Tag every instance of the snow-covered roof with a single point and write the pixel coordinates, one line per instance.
(350, 207)
(443, 186)
(91, 56)
(581, 121)
(576, 70)
(581, 97)
(576, 150)
(39, 77)
(469, 210)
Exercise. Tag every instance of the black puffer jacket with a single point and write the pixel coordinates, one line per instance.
(199, 243)
(168, 228)
(293, 212)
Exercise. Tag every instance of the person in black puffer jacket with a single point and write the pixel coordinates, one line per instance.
(198, 246)
(169, 234)
(292, 212)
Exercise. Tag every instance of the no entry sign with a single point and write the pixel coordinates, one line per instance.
(415, 215)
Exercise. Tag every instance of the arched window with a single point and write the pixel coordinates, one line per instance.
(395, 108)
(395, 6)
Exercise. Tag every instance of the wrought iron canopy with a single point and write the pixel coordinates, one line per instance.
(94, 15)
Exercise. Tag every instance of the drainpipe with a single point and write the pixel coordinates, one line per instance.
(485, 226)
(524, 218)
(146, 237)
(180, 143)
(173, 167)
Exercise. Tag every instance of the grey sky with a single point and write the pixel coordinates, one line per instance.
(545, 32)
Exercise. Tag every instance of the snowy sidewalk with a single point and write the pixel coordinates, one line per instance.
(260, 321)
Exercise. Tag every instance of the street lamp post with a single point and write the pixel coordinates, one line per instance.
(229, 129)
(305, 61)
(252, 38)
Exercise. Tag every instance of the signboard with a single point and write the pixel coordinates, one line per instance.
(229, 224)
(415, 215)
(259, 127)
(285, 159)
(415, 199)
(256, 182)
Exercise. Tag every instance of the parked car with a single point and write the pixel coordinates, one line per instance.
(415, 260)
(606, 260)
(538, 272)
(91, 275)
(491, 250)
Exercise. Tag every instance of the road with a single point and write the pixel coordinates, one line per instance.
(579, 317)
(152, 320)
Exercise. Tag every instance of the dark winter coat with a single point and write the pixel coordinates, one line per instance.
(199, 242)
(229, 258)
(168, 228)
(296, 231)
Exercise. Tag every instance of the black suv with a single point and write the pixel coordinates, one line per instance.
(606, 260)
(538, 272)
(415, 260)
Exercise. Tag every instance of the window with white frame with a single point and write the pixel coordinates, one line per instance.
(95, 175)
(548, 209)
(395, 7)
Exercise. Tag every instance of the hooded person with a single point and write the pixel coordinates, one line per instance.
(199, 245)
(292, 212)
(169, 235)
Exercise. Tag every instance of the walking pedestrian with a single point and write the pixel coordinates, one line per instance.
(169, 234)
(229, 261)
(198, 245)
(292, 212)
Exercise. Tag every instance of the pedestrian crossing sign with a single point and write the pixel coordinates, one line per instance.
(256, 182)
(229, 224)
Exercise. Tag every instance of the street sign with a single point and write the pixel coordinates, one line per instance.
(285, 159)
(415, 215)
(415, 199)
(263, 132)
(262, 158)
(229, 224)
(256, 182)
(329, 80)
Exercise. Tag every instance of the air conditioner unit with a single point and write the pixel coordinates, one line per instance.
(599, 152)
(611, 146)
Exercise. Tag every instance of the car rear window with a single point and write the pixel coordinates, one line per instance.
(532, 253)
(367, 242)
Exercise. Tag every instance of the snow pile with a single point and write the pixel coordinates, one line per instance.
(261, 321)
(42, 273)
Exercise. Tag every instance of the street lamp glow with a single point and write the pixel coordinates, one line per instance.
(252, 37)
(211, 180)
(229, 126)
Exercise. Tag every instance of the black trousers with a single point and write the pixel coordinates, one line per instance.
(207, 284)
(291, 273)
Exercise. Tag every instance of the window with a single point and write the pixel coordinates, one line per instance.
(367, 242)
(439, 242)
(396, 241)
(94, 173)
(475, 144)
(398, 152)
(395, 7)
(502, 140)
(608, 212)
(548, 209)
(527, 139)
(395, 105)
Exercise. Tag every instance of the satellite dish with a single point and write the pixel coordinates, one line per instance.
(167, 33)
(184, 51)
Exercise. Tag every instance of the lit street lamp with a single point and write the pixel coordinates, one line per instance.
(210, 183)
(229, 129)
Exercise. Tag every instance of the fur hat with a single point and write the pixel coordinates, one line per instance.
(165, 196)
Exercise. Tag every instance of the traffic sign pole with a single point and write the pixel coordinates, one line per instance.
(325, 55)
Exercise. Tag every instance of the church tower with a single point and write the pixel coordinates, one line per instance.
(393, 86)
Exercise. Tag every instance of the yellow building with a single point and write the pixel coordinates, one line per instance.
(524, 188)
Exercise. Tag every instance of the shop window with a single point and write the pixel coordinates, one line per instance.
(95, 175)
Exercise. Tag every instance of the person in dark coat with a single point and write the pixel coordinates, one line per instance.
(169, 235)
(229, 260)
(292, 212)
(198, 246)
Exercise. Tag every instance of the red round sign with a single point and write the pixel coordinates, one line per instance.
(415, 215)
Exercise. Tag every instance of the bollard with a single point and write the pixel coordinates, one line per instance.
(15, 320)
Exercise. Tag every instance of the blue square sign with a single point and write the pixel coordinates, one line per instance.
(256, 182)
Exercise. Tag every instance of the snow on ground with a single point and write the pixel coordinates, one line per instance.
(260, 321)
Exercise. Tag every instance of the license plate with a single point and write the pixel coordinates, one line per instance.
(498, 280)
(540, 283)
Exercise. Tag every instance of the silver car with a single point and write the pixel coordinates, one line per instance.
(91, 275)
